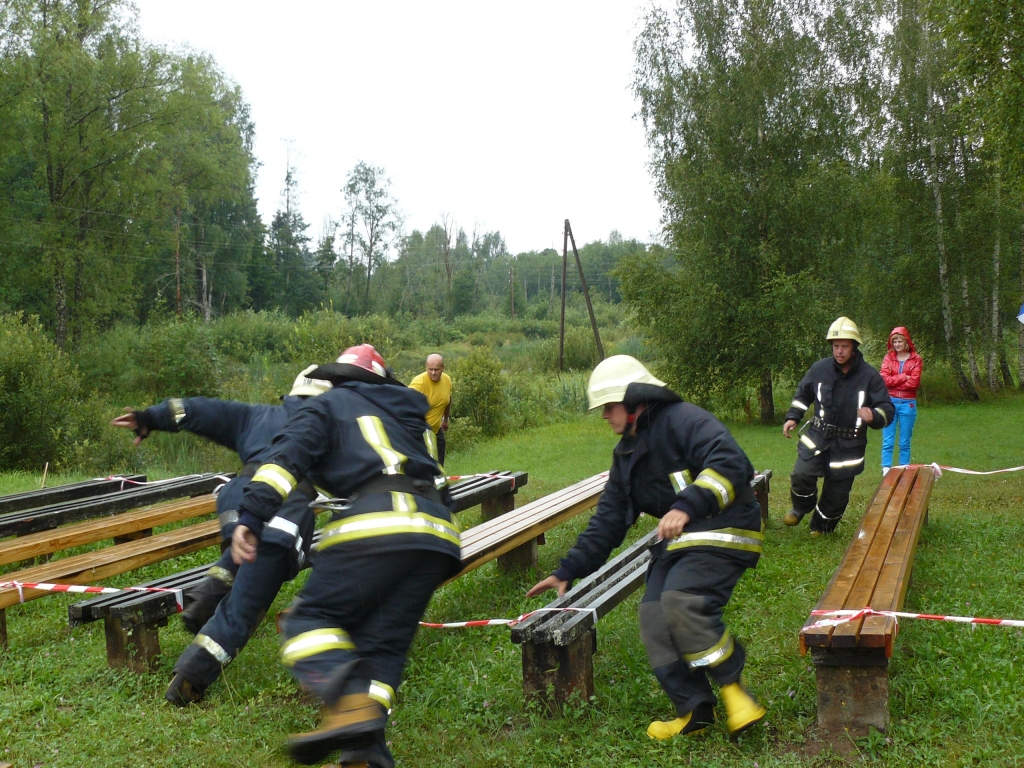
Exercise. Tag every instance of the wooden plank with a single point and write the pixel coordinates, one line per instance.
(880, 631)
(598, 581)
(46, 542)
(839, 587)
(477, 556)
(493, 532)
(601, 603)
(112, 561)
(846, 635)
(99, 607)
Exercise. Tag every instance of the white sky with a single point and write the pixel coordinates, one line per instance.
(507, 116)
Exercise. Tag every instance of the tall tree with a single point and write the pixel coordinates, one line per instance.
(754, 111)
(375, 218)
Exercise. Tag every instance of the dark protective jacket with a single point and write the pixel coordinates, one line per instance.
(832, 399)
(370, 444)
(680, 457)
(247, 429)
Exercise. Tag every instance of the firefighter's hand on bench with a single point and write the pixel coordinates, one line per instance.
(551, 582)
(243, 545)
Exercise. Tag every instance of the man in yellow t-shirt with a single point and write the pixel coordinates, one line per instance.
(437, 386)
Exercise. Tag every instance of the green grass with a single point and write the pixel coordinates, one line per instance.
(954, 689)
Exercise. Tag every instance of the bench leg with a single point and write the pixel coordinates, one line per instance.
(133, 646)
(522, 558)
(553, 673)
(3, 628)
(853, 690)
(761, 494)
(134, 536)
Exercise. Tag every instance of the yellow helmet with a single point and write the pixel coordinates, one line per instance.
(843, 328)
(610, 378)
(306, 387)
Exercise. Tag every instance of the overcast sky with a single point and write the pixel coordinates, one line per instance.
(511, 116)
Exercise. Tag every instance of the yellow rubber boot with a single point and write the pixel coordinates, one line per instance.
(690, 723)
(742, 708)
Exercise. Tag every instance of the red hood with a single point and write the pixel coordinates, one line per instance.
(905, 334)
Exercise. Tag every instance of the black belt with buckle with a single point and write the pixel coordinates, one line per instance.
(834, 430)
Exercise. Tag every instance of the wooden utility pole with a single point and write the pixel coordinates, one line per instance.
(561, 327)
(586, 293)
(512, 289)
(177, 255)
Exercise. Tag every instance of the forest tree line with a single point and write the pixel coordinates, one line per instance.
(126, 192)
(825, 157)
(812, 157)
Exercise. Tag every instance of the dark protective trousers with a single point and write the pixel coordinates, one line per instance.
(682, 629)
(828, 508)
(360, 604)
(441, 445)
(255, 585)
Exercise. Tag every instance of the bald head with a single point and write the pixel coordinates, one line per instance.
(435, 367)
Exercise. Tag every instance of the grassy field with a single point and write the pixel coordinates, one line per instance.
(954, 688)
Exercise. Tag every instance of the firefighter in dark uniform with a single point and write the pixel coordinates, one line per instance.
(389, 546)
(228, 605)
(677, 462)
(844, 396)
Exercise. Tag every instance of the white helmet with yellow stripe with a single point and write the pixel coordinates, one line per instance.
(843, 328)
(307, 387)
(612, 375)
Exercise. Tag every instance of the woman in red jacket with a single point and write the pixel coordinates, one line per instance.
(901, 372)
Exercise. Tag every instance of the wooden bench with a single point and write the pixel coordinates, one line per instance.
(851, 660)
(47, 518)
(132, 620)
(559, 641)
(58, 494)
(127, 526)
(103, 563)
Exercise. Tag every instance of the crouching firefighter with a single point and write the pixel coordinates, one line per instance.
(844, 396)
(391, 542)
(677, 462)
(226, 607)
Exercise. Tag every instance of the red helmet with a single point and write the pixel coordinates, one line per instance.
(359, 363)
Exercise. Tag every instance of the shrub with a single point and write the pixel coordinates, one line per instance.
(177, 359)
(479, 391)
(462, 435)
(320, 336)
(580, 352)
(252, 336)
(39, 392)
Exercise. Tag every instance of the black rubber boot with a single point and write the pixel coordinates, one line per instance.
(202, 601)
(182, 691)
(793, 517)
(376, 755)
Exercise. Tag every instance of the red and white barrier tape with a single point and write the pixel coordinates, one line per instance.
(940, 468)
(21, 586)
(844, 616)
(126, 481)
(506, 622)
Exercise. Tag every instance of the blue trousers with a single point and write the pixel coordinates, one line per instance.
(906, 415)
